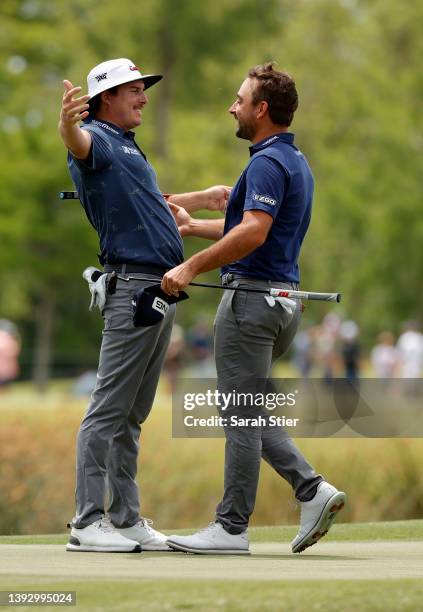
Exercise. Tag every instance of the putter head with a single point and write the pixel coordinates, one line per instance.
(150, 305)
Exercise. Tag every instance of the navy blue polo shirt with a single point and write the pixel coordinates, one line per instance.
(119, 193)
(277, 180)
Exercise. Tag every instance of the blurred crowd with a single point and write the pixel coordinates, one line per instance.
(333, 349)
(329, 350)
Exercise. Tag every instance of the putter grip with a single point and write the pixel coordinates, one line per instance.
(68, 195)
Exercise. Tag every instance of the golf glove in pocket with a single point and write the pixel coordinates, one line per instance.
(97, 285)
(286, 303)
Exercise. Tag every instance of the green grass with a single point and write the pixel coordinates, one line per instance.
(238, 596)
(343, 532)
(122, 594)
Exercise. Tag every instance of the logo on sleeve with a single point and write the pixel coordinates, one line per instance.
(264, 199)
(101, 77)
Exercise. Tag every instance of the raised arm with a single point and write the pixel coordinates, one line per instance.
(73, 110)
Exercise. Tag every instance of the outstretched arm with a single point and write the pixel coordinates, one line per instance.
(236, 244)
(73, 110)
(213, 198)
(212, 229)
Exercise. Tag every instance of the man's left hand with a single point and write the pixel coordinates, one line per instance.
(217, 197)
(177, 279)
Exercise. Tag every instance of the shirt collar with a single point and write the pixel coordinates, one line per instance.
(111, 127)
(287, 137)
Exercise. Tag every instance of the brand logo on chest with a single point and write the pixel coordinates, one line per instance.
(130, 150)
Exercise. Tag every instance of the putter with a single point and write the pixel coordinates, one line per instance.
(273, 292)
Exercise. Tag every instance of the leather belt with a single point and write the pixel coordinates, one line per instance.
(131, 268)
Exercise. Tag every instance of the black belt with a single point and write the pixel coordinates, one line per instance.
(229, 277)
(131, 268)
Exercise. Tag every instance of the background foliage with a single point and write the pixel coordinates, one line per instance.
(181, 479)
(357, 66)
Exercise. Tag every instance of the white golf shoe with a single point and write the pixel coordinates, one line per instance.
(213, 540)
(144, 534)
(100, 536)
(317, 516)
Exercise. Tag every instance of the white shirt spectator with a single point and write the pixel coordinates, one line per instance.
(385, 360)
(410, 347)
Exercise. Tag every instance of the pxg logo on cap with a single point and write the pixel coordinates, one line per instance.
(150, 305)
(117, 72)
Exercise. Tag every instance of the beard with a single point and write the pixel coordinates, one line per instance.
(245, 130)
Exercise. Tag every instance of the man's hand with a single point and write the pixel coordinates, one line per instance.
(178, 278)
(182, 218)
(217, 197)
(73, 109)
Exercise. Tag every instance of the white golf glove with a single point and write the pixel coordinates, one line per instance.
(97, 285)
(286, 303)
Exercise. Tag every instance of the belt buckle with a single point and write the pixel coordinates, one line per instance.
(227, 278)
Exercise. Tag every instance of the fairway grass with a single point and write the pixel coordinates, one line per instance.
(237, 596)
(343, 532)
(180, 588)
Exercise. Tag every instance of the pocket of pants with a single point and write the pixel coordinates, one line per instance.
(117, 313)
(239, 305)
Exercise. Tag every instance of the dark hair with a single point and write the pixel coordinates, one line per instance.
(95, 103)
(278, 90)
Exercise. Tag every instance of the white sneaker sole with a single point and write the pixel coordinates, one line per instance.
(207, 551)
(153, 548)
(324, 522)
(103, 549)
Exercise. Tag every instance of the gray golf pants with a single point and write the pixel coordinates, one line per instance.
(249, 335)
(131, 360)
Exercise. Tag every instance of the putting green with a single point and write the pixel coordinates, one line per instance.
(335, 574)
(269, 561)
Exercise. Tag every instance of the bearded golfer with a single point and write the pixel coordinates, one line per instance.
(138, 237)
(258, 246)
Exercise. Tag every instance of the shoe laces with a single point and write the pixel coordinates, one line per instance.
(210, 527)
(147, 523)
(104, 524)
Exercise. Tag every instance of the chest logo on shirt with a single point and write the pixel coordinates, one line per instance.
(264, 199)
(130, 150)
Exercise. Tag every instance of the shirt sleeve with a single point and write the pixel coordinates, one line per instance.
(100, 156)
(266, 180)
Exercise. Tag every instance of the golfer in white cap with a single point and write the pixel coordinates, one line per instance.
(138, 237)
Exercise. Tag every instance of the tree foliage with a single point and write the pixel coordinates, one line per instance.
(356, 63)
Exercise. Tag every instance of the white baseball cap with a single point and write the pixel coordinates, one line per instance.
(116, 72)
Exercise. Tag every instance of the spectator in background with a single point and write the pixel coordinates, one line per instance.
(385, 356)
(410, 349)
(326, 343)
(10, 347)
(303, 355)
(350, 349)
(200, 341)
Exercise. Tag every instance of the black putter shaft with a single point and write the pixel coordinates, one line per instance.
(275, 292)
